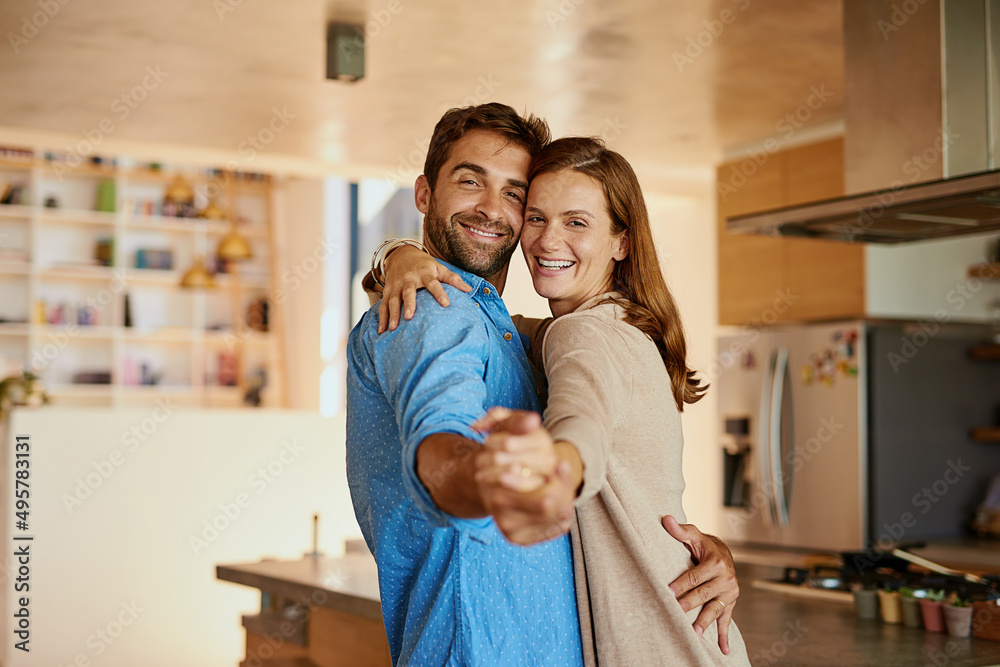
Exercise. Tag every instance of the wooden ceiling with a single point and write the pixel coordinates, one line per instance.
(671, 84)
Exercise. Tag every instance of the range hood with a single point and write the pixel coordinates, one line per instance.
(922, 127)
(942, 208)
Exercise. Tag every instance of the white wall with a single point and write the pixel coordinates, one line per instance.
(684, 231)
(302, 201)
(929, 280)
(315, 285)
(130, 540)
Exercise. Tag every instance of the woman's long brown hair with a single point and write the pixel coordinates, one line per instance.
(649, 306)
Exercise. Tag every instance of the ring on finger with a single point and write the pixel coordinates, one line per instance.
(720, 602)
(525, 471)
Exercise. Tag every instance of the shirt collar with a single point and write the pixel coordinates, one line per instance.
(479, 284)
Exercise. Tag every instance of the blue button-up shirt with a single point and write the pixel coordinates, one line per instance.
(454, 591)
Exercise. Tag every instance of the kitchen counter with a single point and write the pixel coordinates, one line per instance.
(977, 556)
(779, 629)
(317, 612)
(782, 629)
(348, 584)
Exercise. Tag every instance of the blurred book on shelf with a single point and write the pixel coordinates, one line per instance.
(92, 377)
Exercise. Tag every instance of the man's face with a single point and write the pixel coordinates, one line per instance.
(473, 217)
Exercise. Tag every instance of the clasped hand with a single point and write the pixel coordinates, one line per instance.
(522, 482)
(530, 491)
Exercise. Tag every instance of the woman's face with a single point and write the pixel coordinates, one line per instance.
(567, 239)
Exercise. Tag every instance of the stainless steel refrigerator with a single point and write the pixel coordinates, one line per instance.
(832, 431)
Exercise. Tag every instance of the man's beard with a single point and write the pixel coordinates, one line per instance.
(456, 247)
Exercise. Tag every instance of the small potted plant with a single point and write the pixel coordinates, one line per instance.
(889, 601)
(958, 616)
(866, 602)
(930, 610)
(23, 388)
(909, 600)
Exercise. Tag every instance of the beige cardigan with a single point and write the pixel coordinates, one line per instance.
(610, 396)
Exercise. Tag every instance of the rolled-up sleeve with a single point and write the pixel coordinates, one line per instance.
(588, 392)
(432, 370)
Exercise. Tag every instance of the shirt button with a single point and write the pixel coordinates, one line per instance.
(486, 291)
(508, 336)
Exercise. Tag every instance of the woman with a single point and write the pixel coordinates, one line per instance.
(614, 358)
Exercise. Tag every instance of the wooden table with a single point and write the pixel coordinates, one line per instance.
(315, 612)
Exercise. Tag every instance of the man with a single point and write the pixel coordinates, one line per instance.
(453, 589)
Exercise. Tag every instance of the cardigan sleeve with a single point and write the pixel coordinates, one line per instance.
(534, 330)
(590, 388)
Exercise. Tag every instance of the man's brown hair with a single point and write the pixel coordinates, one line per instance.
(531, 132)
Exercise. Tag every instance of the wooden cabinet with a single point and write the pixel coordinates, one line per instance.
(335, 606)
(774, 279)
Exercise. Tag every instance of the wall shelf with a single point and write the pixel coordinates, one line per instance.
(17, 164)
(173, 336)
(15, 268)
(230, 338)
(15, 211)
(162, 389)
(58, 216)
(985, 352)
(47, 331)
(160, 223)
(986, 434)
(150, 175)
(227, 281)
(77, 272)
(167, 335)
(985, 271)
(13, 329)
(84, 169)
(169, 278)
(80, 391)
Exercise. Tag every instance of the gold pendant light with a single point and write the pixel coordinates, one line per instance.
(198, 276)
(234, 247)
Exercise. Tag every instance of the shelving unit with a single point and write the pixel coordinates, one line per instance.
(46, 261)
(986, 434)
(985, 352)
(985, 271)
(989, 352)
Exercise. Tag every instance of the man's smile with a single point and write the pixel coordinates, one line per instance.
(481, 233)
